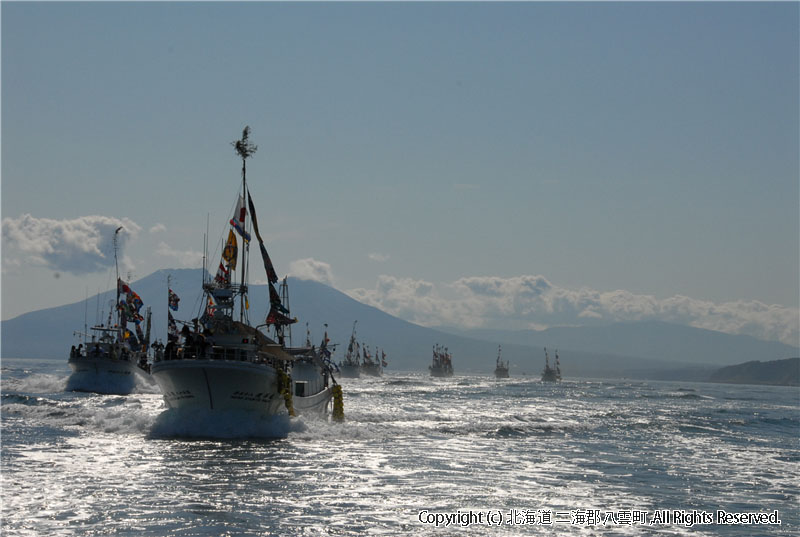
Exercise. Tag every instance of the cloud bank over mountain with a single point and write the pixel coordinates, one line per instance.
(84, 245)
(311, 269)
(78, 246)
(531, 301)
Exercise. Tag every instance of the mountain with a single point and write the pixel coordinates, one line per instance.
(633, 350)
(776, 372)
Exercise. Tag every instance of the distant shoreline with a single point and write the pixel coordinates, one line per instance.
(780, 373)
(773, 373)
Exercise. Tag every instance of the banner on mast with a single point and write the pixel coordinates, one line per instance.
(272, 276)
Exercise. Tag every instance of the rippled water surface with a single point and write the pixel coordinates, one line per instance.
(85, 464)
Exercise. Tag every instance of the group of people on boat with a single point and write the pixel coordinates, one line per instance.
(114, 351)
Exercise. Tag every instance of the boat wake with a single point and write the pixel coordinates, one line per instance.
(114, 416)
(40, 383)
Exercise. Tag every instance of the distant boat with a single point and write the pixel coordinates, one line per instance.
(219, 361)
(442, 365)
(372, 366)
(501, 369)
(350, 367)
(115, 357)
(551, 374)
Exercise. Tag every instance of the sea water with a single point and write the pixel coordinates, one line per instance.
(465, 455)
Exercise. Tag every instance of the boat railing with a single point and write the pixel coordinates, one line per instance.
(213, 352)
(106, 351)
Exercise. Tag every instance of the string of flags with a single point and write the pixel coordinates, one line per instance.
(130, 305)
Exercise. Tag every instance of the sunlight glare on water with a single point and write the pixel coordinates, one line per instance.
(88, 464)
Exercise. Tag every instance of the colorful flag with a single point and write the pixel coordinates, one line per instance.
(238, 219)
(134, 300)
(223, 275)
(172, 328)
(277, 318)
(126, 310)
(231, 250)
(240, 212)
(122, 287)
(240, 230)
(173, 300)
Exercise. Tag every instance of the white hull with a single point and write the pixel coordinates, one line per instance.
(316, 404)
(311, 393)
(219, 385)
(105, 375)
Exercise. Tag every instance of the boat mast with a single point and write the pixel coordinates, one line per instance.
(86, 315)
(245, 149)
(205, 250)
(116, 268)
(284, 293)
(352, 342)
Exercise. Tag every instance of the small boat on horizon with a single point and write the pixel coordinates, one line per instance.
(442, 363)
(370, 366)
(501, 368)
(350, 366)
(551, 374)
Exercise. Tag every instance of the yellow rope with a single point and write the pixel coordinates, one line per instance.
(285, 389)
(338, 404)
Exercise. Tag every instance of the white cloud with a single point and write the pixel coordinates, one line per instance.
(78, 246)
(413, 300)
(158, 228)
(380, 258)
(182, 258)
(311, 269)
(532, 301)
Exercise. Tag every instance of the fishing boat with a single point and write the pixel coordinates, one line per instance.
(372, 366)
(442, 365)
(501, 369)
(110, 358)
(350, 366)
(219, 361)
(312, 372)
(551, 374)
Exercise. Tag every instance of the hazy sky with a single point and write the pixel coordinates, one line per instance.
(476, 164)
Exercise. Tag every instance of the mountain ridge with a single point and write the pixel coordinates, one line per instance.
(407, 345)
